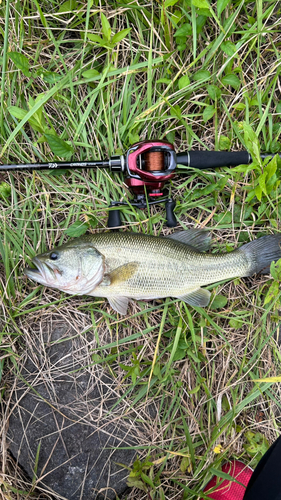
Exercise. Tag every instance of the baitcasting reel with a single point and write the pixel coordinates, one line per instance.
(148, 166)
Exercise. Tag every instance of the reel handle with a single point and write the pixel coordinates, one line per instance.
(114, 216)
(171, 219)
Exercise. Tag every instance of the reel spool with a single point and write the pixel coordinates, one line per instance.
(154, 161)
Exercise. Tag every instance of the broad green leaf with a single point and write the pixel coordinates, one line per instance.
(67, 6)
(257, 444)
(256, 151)
(50, 76)
(252, 145)
(90, 73)
(250, 134)
(5, 190)
(97, 39)
(184, 30)
(176, 111)
(254, 102)
(181, 42)
(200, 23)
(77, 229)
(164, 80)
(134, 138)
(31, 102)
(275, 270)
(208, 113)
(258, 192)
(272, 292)
(278, 107)
(214, 92)
(262, 182)
(170, 3)
(21, 62)
(58, 146)
(106, 29)
(240, 106)
(147, 480)
(201, 4)
(17, 112)
(176, 16)
(119, 36)
(170, 136)
(221, 5)
(235, 323)
(228, 47)
(219, 302)
(224, 143)
(231, 80)
(271, 167)
(96, 358)
(184, 81)
(135, 482)
(202, 74)
(37, 121)
(203, 13)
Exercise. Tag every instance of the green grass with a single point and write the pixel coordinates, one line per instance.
(202, 78)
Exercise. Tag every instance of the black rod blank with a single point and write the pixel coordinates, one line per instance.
(56, 165)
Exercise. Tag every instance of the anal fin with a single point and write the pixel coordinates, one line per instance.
(198, 298)
(119, 304)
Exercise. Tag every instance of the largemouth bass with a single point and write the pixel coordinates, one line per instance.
(121, 266)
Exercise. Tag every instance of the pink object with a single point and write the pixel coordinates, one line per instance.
(230, 490)
(140, 148)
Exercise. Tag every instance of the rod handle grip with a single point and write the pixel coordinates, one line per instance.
(213, 159)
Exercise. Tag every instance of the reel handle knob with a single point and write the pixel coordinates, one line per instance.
(171, 219)
(114, 218)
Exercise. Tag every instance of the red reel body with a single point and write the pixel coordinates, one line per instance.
(150, 164)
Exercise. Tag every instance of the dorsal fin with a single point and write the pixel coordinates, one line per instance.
(197, 238)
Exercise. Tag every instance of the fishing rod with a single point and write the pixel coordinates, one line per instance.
(147, 166)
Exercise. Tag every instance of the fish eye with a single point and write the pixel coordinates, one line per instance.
(54, 256)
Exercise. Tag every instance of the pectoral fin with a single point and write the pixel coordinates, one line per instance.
(119, 304)
(199, 297)
(106, 280)
(122, 273)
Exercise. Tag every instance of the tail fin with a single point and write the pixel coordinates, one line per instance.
(261, 252)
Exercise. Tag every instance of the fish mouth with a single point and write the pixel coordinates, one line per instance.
(41, 273)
